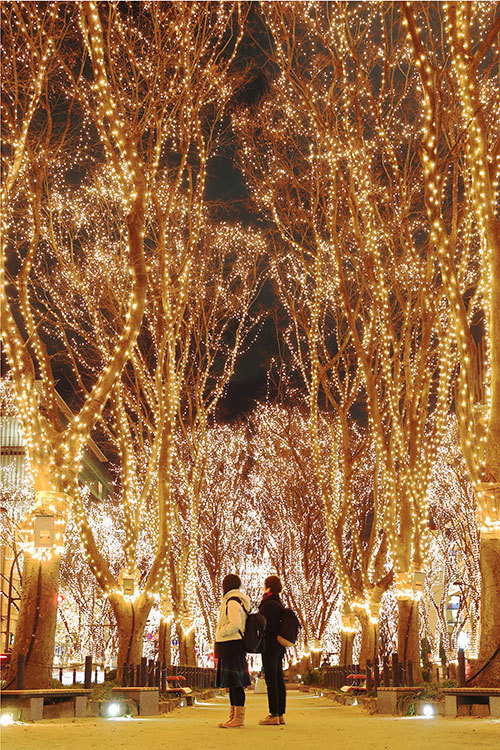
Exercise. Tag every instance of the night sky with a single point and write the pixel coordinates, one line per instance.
(226, 192)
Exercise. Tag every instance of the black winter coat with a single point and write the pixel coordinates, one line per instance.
(271, 607)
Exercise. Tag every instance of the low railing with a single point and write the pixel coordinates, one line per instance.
(151, 673)
(393, 673)
(74, 675)
(148, 673)
(336, 676)
(389, 673)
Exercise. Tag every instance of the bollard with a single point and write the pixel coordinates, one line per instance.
(461, 668)
(402, 674)
(87, 682)
(143, 672)
(409, 674)
(443, 670)
(74, 677)
(151, 673)
(126, 675)
(396, 675)
(163, 677)
(60, 675)
(386, 673)
(95, 674)
(369, 682)
(376, 674)
(20, 672)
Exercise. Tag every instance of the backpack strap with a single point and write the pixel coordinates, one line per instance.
(237, 599)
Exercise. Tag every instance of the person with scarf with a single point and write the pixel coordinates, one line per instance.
(232, 668)
(271, 607)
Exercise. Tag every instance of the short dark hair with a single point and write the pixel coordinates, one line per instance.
(274, 584)
(231, 582)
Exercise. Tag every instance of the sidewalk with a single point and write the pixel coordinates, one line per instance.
(312, 724)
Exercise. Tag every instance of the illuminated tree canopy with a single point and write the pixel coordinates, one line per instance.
(365, 139)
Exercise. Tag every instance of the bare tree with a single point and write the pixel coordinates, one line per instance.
(330, 155)
(459, 151)
(231, 531)
(162, 416)
(40, 146)
(292, 514)
(453, 511)
(127, 100)
(85, 617)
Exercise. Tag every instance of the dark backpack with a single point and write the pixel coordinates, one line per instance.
(254, 629)
(288, 629)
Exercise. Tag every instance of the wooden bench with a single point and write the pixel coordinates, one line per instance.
(147, 698)
(355, 687)
(455, 698)
(28, 704)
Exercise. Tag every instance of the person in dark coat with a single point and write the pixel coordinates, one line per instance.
(271, 607)
(232, 668)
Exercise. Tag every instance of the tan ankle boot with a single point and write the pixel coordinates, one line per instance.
(238, 719)
(223, 724)
(270, 721)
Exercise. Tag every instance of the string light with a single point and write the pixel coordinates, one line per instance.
(351, 274)
(368, 317)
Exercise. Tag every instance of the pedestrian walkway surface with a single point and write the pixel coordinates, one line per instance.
(312, 723)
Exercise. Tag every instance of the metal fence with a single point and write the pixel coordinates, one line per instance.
(151, 673)
(148, 673)
(388, 673)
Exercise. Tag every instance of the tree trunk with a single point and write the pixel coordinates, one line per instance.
(182, 644)
(409, 636)
(131, 620)
(191, 648)
(36, 626)
(369, 639)
(187, 653)
(490, 613)
(346, 645)
(305, 665)
(164, 643)
(315, 659)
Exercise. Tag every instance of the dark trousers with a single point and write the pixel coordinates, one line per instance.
(237, 696)
(273, 672)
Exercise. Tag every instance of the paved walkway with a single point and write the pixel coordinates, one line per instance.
(312, 724)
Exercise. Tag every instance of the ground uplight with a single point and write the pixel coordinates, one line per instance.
(113, 709)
